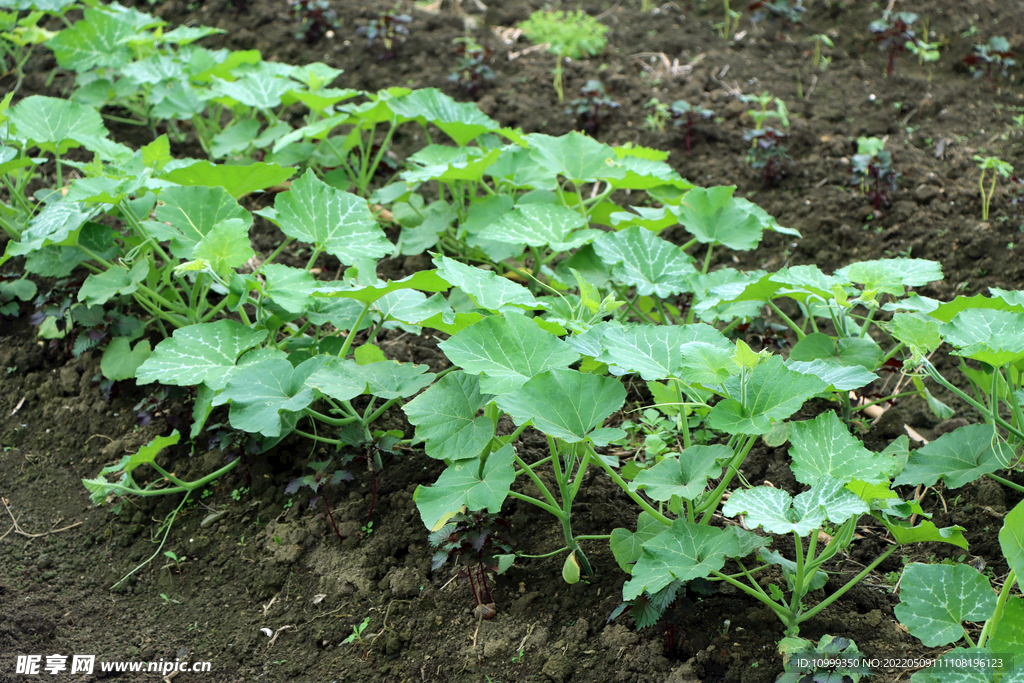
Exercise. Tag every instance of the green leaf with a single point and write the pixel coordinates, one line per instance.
(564, 404)
(226, 246)
(55, 125)
(193, 213)
(391, 379)
(99, 288)
(890, 276)
(337, 222)
(1011, 540)
(1008, 635)
(254, 90)
(463, 483)
(823, 448)
(487, 289)
(577, 157)
(506, 351)
(260, 392)
(682, 552)
(714, 216)
(643, 174)
(199, 353)
(627, 547)
(540, 225)
(845, 351)
(918, 332)
(935, 599)
(988, 335)
(120, 360)
(773, 392)
(288, 287)
(839, 377)
(100, 487)
(959, 457)
(571, 569)
(445, 417)
(424, 280)
(640, 258)
(925, 532)
(338, 379)
(652, 350)
(57, 223)
(237, 180)
(461, 121)
(685, 476)
(778, 513)
(100, 39)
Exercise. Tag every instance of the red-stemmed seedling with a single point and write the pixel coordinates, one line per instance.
(872, 171)
(686, 114)
(893, 33)
(316, 19)
(317, 481)
(471, 72)
(767, 155)
(592, 108)
(993, 54)
(391, 28)
(473, 539)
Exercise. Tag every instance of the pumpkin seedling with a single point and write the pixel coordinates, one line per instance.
(817, 61)
(767, 155)
(475, 539)
(568, 34)
(995, 53)
(686, 114)
(392, 29)
(316, 19)
(471, 72)
(872, 170)
(893, 34)
(998, 168)
(592, 108)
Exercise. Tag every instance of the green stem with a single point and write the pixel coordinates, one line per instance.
(707, 259)
(168, 525)
(970, 401)
(709, 506)
(781, 611)
(850, 584)
(280, 248)
(332, 421)
(1004, 594)
(318, 438)
(800, 334)
(625, 487)
(550, 509)
(1006, 482)
(380, 411)
(352, 333)
(540, 485)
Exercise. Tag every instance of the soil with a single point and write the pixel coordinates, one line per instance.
(272, 564)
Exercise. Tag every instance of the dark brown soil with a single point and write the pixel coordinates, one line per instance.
(274, 563)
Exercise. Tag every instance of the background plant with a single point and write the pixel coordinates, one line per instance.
(893, 33)
(592, 108)
(995, 54)
(998, 168)
(872, 170)
(686, 114)
(568, 34)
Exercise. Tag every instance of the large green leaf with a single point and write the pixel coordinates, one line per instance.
(564, 404)
(100, 39)
(714, 216)
(890, 276)
(839, 377)
(99, 288)
(844, 351)
(925, 532)
(288, 287)
(628, 546)
(53, 124)
(462, 121)
(260, 392)
(391, 379)
(919, 332)
(486, 288)
(540, 225)
(772, 392)
(199, 353)
(337, 222)
(506, 351)
(237, 180)
(577, 157)
(226, 246)
(1011, 540)
(988, 335)
(653, 350)
(261, 91)
(685, 476)
(935, 599)
(445, 417)
(423, 280)
(193, 213)
(120, 361)
(463, 483)
(640, 258)
(777, 512)
(1008, 636)
(823, 448)
(959, 457)
(682, 552)
(338, 379)
(57, 223)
